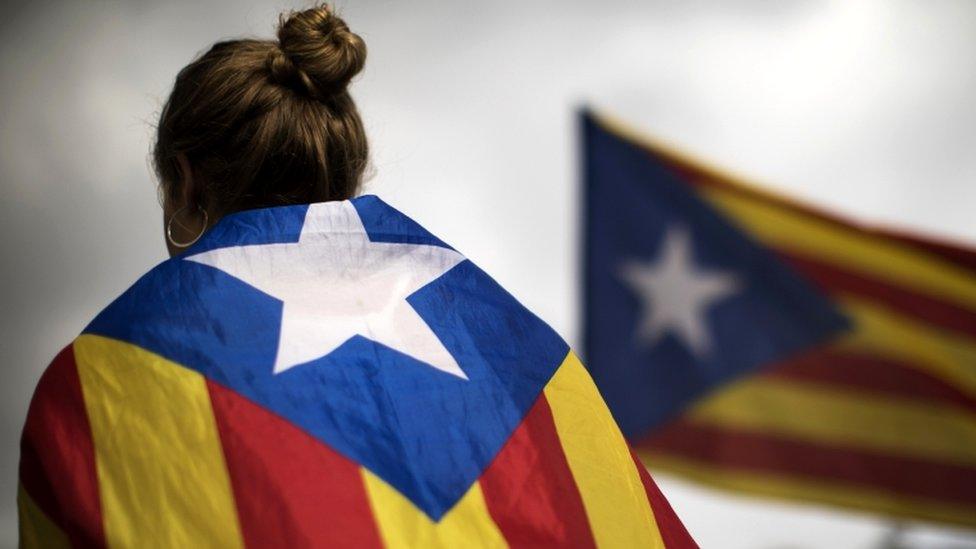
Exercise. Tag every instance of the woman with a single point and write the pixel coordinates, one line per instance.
(313, 368)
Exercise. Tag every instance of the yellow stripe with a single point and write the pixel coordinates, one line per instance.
(850, 418)
(161, 471)
(402, 524)
(877, 257)
(36, 529)
(814, 490)
(880, 331)
(613, 495)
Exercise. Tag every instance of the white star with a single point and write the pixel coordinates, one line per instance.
(335, 283)
(674, 294)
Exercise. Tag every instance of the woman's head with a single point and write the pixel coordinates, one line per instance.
(255, 123)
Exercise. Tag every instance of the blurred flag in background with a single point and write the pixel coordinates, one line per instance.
(749, 342)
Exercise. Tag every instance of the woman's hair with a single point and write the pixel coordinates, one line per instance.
(268, 122)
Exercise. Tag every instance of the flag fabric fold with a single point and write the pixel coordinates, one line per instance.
(327, 375)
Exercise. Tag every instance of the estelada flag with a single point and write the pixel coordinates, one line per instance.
(327, 375)
(753, 343)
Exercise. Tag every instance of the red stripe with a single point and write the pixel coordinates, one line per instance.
(529, 488)
(291, 490)
(871, 374)
(734, 449)
(57, 457)
(836, 280)
(959, 254)
(953, 252)
(673, 532)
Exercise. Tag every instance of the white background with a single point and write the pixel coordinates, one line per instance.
(862, 106)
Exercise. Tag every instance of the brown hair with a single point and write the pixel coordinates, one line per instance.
(268, 122)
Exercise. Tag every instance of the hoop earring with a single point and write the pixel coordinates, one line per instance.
(169, 228)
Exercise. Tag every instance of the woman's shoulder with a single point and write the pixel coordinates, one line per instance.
(240, 293)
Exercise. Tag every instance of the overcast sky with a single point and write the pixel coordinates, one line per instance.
(865, 107)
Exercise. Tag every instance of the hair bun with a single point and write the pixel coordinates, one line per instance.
(316, 51)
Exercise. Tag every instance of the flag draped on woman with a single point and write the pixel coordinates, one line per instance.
(327, 375)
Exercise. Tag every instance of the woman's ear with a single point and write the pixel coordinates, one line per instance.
(188, 191)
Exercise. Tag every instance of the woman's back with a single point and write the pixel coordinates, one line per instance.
(324, 373)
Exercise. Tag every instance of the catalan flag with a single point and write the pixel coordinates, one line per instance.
(327, 375)
(753, 343)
